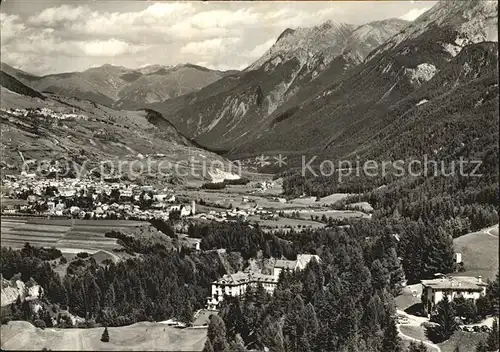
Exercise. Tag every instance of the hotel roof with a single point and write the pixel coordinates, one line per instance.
(456, 283)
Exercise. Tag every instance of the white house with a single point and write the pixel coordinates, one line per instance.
(292, 265)
(236, 284)
(126, 193)
(434, 290)
(67, 192)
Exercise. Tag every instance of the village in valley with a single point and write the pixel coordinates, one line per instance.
(81, 215)
(250, 176)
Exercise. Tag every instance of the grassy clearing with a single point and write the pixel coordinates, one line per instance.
(333, 198)
(144, 336)
(417, 332)
(467, 341)
(406, 298)
(365, 206)
(479, 254)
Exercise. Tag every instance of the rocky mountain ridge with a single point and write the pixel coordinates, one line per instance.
(228, 112)
(338, 118)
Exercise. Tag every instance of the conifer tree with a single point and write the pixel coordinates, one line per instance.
(445, 319)
(414, 347)
(391, 341)
(493, 343)
(481, 347)
(208, 346)
(105, 335)
(216, 334)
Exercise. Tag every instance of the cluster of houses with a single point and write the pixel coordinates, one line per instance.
(233, 214)
(46, 112)
(103, 200)
(264, 185)
(109, 199)
(236, 284)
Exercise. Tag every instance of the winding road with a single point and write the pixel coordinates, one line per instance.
(432, 346)
(415, 321)
(489, 230)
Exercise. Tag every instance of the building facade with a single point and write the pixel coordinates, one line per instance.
(433, 291)
(237, 284)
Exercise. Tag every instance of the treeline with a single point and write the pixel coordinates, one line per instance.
(126, 292)
(164, 227)
(226, 182)
(238, 237)
(40, 252)
(29, 265)
(343, 303)
(458, 205)
(135, 245)
(424, 249)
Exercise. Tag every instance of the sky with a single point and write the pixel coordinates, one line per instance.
(53, 36)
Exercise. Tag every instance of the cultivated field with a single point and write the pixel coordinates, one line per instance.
(145, 336)
(70, 236)
(17, 231)
(479, 252)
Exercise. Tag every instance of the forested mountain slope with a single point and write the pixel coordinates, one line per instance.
(238, 108)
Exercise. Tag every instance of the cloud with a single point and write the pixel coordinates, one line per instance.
(11, 27)
(413, 14)
(260, 49)
(55, 16)
(209, 47)
(43, 38)
(109, 48)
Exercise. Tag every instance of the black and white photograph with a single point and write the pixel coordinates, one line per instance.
(249, 176)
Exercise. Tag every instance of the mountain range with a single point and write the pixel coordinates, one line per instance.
(315, 98)
(231, 111)
(120, 87)
(334, 90)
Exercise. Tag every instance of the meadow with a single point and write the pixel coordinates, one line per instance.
(145, 336)
(479, 252)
